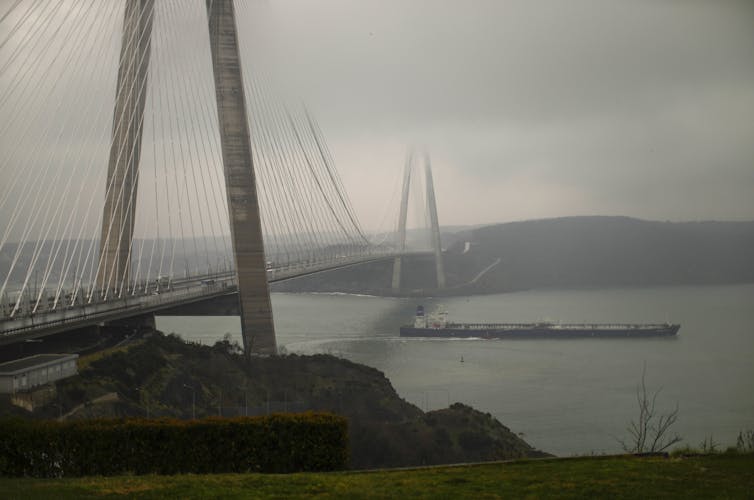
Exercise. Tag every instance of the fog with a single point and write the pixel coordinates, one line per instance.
(528, 109)
(532, 109)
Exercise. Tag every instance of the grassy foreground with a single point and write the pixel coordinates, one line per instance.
(711, 476)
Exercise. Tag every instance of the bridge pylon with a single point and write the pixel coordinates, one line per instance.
(434, 224)
(119, 212)
(257, 324)
(401, 243)
(123, 169)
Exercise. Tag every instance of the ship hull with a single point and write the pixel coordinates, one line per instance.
(534, 331)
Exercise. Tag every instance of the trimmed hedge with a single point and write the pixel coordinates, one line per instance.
(276, 443)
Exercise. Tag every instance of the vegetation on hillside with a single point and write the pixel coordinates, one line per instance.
(165, 376)
(563, 253)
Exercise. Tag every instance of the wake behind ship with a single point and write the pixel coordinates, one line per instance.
(437, 326)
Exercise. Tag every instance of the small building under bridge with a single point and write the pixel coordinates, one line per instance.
(26, 374)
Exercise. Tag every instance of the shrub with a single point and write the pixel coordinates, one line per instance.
(275, 443)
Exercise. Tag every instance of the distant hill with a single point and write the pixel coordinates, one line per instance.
(603, 251)
(565, 253)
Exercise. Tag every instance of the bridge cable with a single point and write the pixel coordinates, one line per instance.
(32, 218)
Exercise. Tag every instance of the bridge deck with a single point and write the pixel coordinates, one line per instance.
(181, 292)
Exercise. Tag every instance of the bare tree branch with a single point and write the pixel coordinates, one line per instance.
(650, 432)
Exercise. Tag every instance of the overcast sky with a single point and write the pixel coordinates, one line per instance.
(529, 108)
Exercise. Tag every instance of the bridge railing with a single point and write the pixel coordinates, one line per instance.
(85, 308)
(84, 295)
(127, 305)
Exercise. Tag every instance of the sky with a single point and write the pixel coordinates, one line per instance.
(529, 109)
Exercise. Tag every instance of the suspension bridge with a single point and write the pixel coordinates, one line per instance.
(147, 168)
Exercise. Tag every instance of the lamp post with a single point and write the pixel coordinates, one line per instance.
(60, 409)
(193, 401)
(140, 390)
(245, 401)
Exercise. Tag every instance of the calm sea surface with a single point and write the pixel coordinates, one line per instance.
(564, 396)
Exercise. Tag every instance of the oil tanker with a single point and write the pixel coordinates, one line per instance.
(437, 326)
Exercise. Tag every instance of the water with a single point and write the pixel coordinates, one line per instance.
(564, 396)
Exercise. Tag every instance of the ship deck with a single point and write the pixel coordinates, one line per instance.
(556, 326)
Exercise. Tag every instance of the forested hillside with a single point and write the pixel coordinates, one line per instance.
(604, 251)
(564, 253)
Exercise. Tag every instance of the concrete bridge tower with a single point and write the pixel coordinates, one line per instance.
(434, 225)
(401, 242)
(125, 149)
(243, 205)
(123, 169)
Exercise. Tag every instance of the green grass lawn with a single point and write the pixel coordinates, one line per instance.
(711, 476)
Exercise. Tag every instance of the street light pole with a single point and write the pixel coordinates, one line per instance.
(140, 390)
(193, 401)
(245, 401)
(60, 409)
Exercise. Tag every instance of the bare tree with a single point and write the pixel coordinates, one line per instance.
(745, 441)
(650, 433)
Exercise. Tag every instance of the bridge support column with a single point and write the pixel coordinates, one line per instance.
(125, 151)
(243, 206)
(432, 207)
(401, 243)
